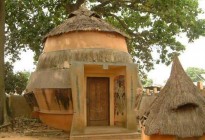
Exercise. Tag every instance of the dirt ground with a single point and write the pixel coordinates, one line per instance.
(31, 129)
(16, 136)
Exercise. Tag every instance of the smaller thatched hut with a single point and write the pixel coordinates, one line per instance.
(178, 112)
(143, 103)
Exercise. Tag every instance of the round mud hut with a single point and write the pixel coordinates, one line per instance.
(85, 76)
(178, 111)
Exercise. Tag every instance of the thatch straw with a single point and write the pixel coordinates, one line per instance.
(58, 59)
(83, 20)
(51, 78)
(179, 108)
(144, 103)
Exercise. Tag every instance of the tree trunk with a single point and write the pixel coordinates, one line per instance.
(3, 112)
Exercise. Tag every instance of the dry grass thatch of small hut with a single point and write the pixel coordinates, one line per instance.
(179, 109)
(143, 103)
(83, 20)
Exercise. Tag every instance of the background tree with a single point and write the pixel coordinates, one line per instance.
(153, 25)
(21, 81)
(147, 82)
(15, 82)
(9, 78)
(195, 73)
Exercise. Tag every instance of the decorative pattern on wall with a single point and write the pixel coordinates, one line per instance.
(120, 102)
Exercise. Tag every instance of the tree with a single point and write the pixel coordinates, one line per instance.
(21, 81)
(153, 25)
(147, 82)
(9, 78)
(2, 22)
(3, 112)
(195, 73)
(15, 82)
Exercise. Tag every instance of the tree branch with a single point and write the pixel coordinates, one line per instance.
(102, 4)
(72, 7)
(79, 3)
(122, 23)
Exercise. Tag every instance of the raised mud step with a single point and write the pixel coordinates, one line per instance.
(120, 136)
(106, 133)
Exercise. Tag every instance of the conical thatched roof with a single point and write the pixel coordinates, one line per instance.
(179, 108)
(83, 20)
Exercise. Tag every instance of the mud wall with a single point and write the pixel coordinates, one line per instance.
(77, 40)
(19, 107)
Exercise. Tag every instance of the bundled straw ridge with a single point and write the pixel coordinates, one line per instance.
(58, 59)
(179, 108)
(83, 20)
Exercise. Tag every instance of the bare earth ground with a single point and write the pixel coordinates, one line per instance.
(31, 129)
(16, 136)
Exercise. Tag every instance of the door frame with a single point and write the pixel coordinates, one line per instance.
(80, 70)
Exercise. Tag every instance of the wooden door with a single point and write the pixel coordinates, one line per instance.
(97, 101)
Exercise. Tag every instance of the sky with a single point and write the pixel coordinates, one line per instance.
(193, 56)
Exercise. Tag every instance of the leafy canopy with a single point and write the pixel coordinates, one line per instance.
(195, 74)
(15, 82)
(153, 25)
(147, 82)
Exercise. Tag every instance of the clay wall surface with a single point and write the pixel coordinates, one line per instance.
(56, 107)
(54, 100)
(19, 107)
(77, 40)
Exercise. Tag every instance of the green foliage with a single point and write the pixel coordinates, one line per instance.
(28, 22)
(9, 78)
(147, 82)
(195, 73)
(21, 81)
(15, 82)
(153, 25)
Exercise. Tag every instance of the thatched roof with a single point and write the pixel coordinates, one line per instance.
(58, 59)
(50, 78)
(144, 103)
(179, 108)
(83, 20)
(152, 87)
